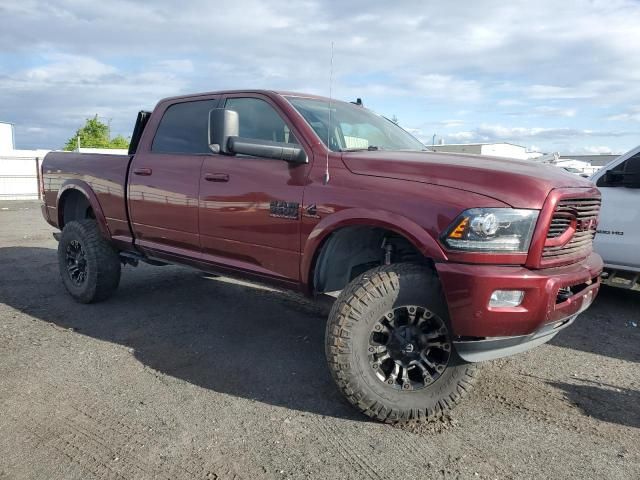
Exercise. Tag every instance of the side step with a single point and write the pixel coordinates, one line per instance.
(133, 258)
(127, 258)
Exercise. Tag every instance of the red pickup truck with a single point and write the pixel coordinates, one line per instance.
(441, 260)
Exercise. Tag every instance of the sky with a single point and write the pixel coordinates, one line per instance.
(554, 76)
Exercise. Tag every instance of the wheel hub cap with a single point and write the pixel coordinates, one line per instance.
(409, 348)
(76, 262)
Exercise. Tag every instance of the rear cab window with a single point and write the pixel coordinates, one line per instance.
(184, 128)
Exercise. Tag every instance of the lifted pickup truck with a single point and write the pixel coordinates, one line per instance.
(441, 260)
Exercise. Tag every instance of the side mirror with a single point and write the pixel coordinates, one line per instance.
(223, 125)
(264, 148)
(223, 138)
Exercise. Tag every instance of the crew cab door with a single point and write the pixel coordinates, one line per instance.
(618, 234)
(250, 206)
(164, 179)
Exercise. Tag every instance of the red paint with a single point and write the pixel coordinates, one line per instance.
(213, 212)
(539, 240)
(469, 287)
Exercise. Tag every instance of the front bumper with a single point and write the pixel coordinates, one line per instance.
(482, 332)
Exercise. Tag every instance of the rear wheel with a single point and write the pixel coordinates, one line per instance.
(89, 265)
(389, 349)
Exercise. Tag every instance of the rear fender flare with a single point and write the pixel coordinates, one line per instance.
(414, 233)
(85, 189)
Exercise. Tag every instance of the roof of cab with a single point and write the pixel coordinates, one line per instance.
(226, 92)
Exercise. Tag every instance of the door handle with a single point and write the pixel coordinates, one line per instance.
(216, 177)
(142, 171)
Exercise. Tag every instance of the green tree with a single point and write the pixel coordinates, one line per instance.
(119, 142)
(95, 134)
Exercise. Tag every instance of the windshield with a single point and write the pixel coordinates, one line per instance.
(353, 127)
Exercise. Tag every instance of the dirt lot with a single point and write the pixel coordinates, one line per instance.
(182, 375)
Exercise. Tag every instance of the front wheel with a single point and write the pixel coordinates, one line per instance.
(389, 349)
(89, 265)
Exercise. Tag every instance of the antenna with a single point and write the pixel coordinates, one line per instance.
(326, 177)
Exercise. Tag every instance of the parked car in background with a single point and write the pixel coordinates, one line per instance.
(618, 233)
(442, 260)
(575, 171)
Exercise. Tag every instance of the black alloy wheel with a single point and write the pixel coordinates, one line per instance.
(409, 348)
(76, 262)
(389, 345)
(89, 264)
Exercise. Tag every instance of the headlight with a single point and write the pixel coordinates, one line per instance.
(492, 230)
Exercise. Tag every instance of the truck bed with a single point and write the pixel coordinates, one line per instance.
(102, 175)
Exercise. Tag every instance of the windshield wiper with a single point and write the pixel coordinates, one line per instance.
(370, 148)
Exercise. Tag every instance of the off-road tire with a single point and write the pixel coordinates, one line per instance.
(102, 262)
(366, 299)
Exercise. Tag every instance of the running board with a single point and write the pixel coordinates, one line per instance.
(621, 279)
(133, 258)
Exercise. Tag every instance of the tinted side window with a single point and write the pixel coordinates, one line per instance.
(184, 128)
(259, 120)
(617, 176)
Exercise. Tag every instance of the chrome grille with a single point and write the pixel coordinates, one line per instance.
(584, 211)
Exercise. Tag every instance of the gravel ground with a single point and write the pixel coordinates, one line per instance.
(182, 375)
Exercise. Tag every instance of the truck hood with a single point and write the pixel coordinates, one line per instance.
(518, 183)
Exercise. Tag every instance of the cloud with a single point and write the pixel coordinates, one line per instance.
(541, 110)
(510, 102)
(559, 92)
(594, 150)
(66, 89)
(461, 137)
(447, 87)
(500, 133)
(177, 66)
(62, 68)
(63, 61)
(451, 123)
(597, 149)
(631, 115)
(555, 111)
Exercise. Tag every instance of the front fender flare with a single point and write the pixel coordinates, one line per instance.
(417, 235)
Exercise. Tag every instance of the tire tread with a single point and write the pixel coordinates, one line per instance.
(382, 281)
(102, 256)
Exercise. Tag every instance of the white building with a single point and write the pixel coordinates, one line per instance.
(507, 150)
(19, 169)
(19, 174)
(7, 138)
(109, 151)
